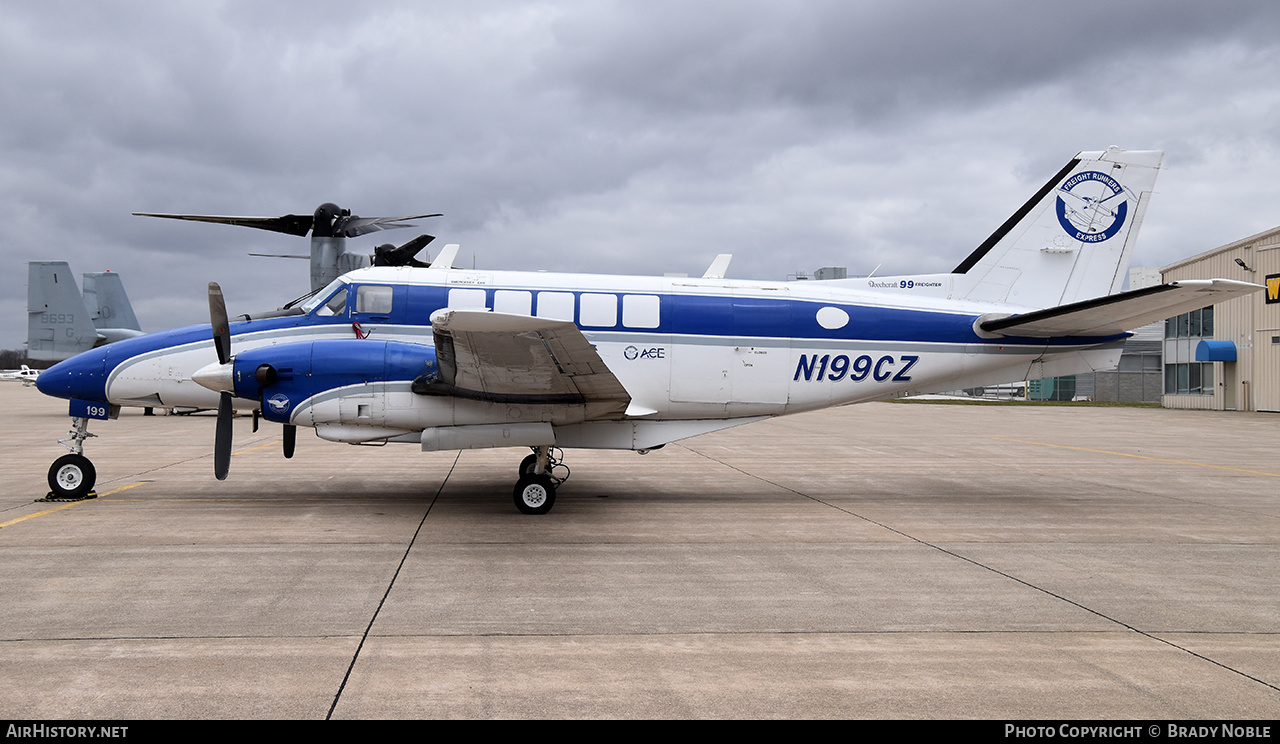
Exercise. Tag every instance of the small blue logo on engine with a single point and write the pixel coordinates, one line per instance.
(1092, 206)
(279, 402)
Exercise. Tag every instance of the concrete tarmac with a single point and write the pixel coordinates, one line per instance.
(881, 561)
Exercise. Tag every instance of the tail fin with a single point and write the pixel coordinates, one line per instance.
(107, 303)
(58, 326)
(1072, 240)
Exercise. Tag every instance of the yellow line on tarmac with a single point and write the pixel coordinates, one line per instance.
(123, 488)
(68, 505)
(1141, 457)
(255, 449)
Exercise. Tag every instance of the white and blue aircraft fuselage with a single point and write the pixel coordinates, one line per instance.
(453, 359)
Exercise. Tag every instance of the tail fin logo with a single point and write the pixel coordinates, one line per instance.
(1087, 206)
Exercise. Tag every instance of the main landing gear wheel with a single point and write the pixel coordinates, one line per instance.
(535, 494)
(72, 477)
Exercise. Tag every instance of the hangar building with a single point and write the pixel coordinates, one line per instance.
(1226, 357)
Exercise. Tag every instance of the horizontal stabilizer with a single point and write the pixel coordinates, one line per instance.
(1118, 313)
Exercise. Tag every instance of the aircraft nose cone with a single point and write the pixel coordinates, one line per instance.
(80, 378)
(220, 378)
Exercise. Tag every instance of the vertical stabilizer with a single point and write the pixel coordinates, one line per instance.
(107, 303)
(58, 325)
(1072, 240)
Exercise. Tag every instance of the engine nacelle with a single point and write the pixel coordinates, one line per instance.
(282, 377)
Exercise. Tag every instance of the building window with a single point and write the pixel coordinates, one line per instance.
(1193, 378)
(1195, 324)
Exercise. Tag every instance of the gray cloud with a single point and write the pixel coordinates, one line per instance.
(610, 136)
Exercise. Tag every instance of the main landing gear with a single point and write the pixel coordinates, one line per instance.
(535, 491)
(71, 477)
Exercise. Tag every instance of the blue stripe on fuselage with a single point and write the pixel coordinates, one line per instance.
(745, 316)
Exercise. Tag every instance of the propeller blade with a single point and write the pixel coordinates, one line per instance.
(387, 255)
(290, 440)
(222, 438)
(218, 319)
(344, 224)
(289, 224)
(354, 226)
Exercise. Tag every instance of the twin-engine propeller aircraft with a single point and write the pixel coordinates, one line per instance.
(454, 359)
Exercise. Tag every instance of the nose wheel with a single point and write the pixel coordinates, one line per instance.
(72, 476)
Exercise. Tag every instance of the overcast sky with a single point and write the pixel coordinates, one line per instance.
(610, 137)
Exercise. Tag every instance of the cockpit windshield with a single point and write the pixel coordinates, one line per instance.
(330, 300)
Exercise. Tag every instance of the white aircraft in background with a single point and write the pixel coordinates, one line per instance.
(62, 323)
(26, 375)
(445, 358)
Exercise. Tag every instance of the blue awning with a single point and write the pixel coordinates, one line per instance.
(1215, 351)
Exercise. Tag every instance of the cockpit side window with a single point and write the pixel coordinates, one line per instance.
(315, 298)
(335, 306)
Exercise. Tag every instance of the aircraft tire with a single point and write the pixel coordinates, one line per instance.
(535, 494)
(528, 464)
(72, 477)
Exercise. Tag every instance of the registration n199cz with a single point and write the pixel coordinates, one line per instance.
(835, 368)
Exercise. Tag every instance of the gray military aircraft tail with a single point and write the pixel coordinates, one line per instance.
(62, 323)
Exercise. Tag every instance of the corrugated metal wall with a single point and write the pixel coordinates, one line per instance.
(1250, 322)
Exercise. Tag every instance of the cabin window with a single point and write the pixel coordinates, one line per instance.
(373, 298)
(640, 311)
(556, 305)
(513, 302)
(466, 299)
(599, 310)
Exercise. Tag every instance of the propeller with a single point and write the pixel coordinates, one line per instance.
(389, 255)
(329, 221)
(222, 344)
(220, 377)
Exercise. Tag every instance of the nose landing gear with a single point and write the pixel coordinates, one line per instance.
(72, 476)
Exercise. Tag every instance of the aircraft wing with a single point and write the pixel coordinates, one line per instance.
(1118, 313)
(521, 360)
